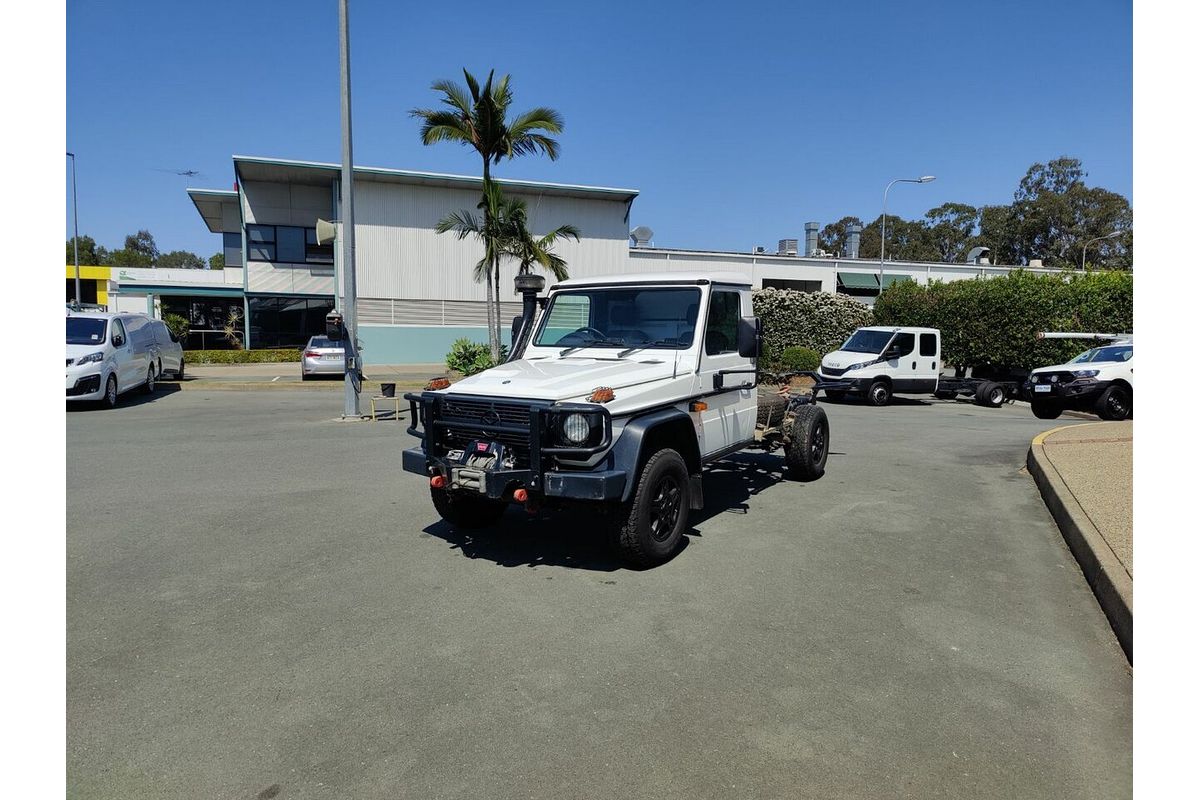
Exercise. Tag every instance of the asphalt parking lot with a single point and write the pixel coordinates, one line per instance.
(261, 604)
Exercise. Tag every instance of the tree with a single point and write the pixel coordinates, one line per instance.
(906, 240)
(89, 253)
(216, 261)
(140, 251)
(180, 259)
(952, 229)
(479, 120)
(835, 237)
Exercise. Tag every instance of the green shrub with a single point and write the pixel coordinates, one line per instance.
(819, 321)
(178, 326)
(469, 357)
(799, 359)
(242, 356)
(995, 321)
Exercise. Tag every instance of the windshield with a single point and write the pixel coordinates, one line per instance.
(1117, 352)
(621, 317)
(865, 341)
(85, 330)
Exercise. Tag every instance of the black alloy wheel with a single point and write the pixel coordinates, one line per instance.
(665, 505)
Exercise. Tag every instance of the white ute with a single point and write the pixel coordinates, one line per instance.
(1099, 380)
(615, 398)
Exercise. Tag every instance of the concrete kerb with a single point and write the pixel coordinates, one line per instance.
(1103, 570)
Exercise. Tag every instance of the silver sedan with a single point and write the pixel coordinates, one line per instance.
(322, 356)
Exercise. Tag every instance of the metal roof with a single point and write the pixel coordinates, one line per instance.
(319, 173)
(209, 201)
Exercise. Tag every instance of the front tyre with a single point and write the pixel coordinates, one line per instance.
(1046, 409)
(1114, 404)
(467, 511)
(148, 387)
(880, 393)
(649, 526)
(110, 392)
(807, 446)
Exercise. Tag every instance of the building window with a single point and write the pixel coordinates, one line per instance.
(316, 253)
(233, 249)
(286, 321)
(287, 244)
(261, 242)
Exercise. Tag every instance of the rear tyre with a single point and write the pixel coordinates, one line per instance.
(148, 386)
(880, 393)
(807, 446)
(648, 527)
(771, 408)
(1046, 410)
(1114, 404)
(304, 376)
(467, 511)
(990, 394)
(179, 372)
(110, 392)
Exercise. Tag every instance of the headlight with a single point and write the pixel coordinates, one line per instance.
(576, 428)
(858, 366)
(1086, 373)
(1033, 378)
(89, 358)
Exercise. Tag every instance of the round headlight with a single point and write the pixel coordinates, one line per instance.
(576, 428)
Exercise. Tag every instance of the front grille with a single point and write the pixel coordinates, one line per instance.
(462, 421)
(475, 410)
(1052, 377)
(832, 372)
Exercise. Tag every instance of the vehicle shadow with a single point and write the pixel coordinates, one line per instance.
(579, 539)
(131, 399)
(850, 400)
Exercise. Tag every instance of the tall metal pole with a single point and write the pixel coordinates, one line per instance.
(883, 219)
(1083, 258)
(349, 313)
(75, 214)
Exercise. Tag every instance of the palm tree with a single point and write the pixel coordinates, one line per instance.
(477, 118)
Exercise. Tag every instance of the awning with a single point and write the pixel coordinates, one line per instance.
(888, 280)
(857, 280)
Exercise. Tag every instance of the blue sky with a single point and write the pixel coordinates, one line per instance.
(737, 122)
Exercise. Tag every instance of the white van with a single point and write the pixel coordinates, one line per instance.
(879, 361)
(110, 354)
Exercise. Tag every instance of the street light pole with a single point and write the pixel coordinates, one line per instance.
(1083, 258)
(75, 214)
(883, 219)
(353, 368)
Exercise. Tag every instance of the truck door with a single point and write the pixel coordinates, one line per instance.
(727, 379)
(902, 362)
(929, 361)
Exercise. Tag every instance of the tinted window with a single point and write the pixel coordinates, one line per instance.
(903, 343)
(85, 330)
(720, 334)
(929, 344)
(289, 245)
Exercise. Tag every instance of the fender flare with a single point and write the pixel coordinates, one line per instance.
(633, 446)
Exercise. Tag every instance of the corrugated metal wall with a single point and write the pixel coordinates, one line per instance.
(400, 256)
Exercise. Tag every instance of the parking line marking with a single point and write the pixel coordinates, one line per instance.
(277, 377)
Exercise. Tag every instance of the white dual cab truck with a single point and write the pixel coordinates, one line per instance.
(878, 362)
(614, 399)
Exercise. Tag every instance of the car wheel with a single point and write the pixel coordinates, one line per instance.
(148, 387)
(110, 392)
(807, 447)
(179, 372)
(990, 394)
(304, 376)
(880, 393)
(649, 526)
(1046, 410)
(1114, 404)
(463, 510)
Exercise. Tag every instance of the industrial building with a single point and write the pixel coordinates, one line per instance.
(415, 289)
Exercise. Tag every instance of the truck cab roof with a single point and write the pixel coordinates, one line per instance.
(658, 279)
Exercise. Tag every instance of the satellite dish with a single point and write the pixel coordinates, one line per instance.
(326, 231)
(641, 235)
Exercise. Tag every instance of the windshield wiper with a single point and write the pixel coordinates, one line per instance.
(593, 343)
(644, 345)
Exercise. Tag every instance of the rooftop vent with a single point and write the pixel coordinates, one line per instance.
(641, 236)
(788, 247)
(979, 255)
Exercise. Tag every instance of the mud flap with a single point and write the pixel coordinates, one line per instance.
(695, 492)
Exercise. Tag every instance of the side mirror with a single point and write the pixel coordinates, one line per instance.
(749, 337)
(516, 327)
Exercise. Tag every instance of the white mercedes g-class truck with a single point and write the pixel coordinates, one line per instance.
(613, 399)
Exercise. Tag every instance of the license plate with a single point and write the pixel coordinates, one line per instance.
(1040, 388)
(454, 455)
(329, 357)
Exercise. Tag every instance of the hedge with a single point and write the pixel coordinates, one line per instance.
(995, 321)
(241, 356)
(819, 321)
